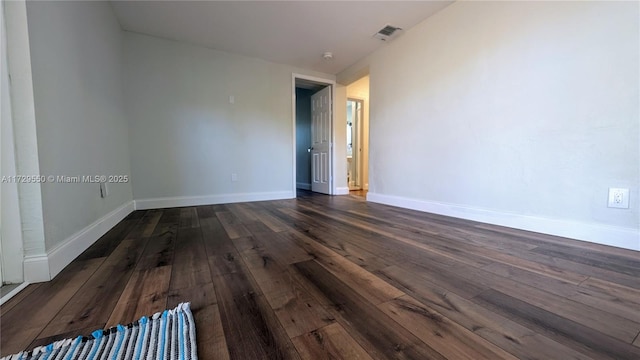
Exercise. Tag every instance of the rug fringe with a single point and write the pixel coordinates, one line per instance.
(166, 334)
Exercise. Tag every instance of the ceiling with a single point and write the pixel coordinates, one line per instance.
(296, 33)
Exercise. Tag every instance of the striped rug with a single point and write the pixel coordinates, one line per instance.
(170, 334)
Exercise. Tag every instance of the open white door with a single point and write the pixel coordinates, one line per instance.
(321, 141)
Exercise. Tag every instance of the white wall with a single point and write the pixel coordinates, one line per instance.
(76, 56)
(360, 90)
(187, 138)
(515, 113)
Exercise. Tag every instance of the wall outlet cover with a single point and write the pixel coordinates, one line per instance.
(618, 198)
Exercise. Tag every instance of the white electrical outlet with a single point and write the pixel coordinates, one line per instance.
(618, 198)
(234, 177)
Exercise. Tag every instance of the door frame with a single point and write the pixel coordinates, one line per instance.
(332, 169)
(360, 139)
(11, 241)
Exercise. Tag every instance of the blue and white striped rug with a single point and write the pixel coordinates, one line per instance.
(167, 335)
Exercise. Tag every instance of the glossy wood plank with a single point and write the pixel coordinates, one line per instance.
(337, 277)
(209, 332)
(295, 308)
(242, 213)
(23, 324)
(625, 293)
(280, 248)
(223, 258)
(18, 298)
(361, 281)
(275, 224)
(379, 335)
(608, 323)
(448, 338)
(190, 262)
(500, 330)
(619, 264)
(232, 225)
(329, 342)
(212, 343)
(109, 241)
(205, 212)
(298, 312)
(544, 239)
(145, 294)
(103, 287)
(147, 225)
(572, 334)
(580, 268)
(333, 239)
(250, 326)
(412, 239)
(189, 218)
(603, 300)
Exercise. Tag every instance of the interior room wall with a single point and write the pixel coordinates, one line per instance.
(11, 247)
(515, 113)
(360, 90)
(197, 116)
(339, 140)
(76, 57)
(303, 138)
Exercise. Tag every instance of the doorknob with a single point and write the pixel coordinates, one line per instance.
(309, 149)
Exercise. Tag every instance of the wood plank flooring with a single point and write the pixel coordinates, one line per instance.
(324, 277)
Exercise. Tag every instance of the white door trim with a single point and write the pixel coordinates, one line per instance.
(332, 83)
(11, 228)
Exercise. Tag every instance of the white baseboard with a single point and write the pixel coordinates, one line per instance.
(13, 292)
(45, 267)
(303, 186)
(342, 190)
(597, 233)
(167, 202)
(36, 268)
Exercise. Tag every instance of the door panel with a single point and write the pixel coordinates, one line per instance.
(321, 144)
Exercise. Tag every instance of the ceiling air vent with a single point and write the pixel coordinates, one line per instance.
(386, 32)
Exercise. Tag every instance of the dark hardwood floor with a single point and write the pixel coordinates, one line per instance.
(324, 277)
(359, 193)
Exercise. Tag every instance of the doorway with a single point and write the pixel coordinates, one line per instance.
(313, 134)
(355, 109)
(358, 115)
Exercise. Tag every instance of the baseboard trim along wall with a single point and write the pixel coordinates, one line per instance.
(36, 268)
(45, 267)
(596, 233)
(342, 190)
(13, 292)
(167, 202)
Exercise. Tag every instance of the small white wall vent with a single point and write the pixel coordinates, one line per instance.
(386, 32)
